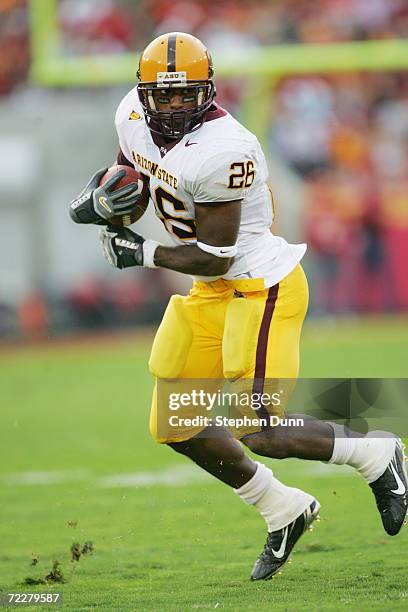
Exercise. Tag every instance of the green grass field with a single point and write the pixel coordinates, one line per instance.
(74, 423)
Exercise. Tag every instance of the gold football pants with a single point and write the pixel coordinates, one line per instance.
(235, 330)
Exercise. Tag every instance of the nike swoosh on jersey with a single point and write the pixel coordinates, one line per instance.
(400, 490)
(188, 143)
(281, 550)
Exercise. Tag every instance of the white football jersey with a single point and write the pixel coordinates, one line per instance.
(221, 161)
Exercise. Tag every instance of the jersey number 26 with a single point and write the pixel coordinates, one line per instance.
(244, 175)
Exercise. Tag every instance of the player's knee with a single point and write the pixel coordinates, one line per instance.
(268, 444)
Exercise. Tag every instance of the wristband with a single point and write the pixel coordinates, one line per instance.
(149, 249)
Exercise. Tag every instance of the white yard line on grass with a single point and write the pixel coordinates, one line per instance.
(45, 478)
(177, 475)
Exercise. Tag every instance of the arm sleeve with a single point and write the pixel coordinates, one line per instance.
(224, 177)
(122, 160)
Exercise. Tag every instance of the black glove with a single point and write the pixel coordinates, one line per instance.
(121, 247)
(97, 204)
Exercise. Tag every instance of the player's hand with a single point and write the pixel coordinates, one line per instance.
(99, 203)
(121, 247)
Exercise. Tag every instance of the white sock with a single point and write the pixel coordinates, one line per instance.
(277, 503)
(369, 455)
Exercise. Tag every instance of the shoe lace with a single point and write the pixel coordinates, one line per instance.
(268, 547)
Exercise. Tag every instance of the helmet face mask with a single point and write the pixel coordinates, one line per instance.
(157, 74)
(174, 124)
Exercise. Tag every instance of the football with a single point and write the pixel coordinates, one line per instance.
(131, 176)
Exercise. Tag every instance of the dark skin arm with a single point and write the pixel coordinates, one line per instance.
(216, 225)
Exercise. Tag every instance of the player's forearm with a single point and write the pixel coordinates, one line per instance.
(190, 260)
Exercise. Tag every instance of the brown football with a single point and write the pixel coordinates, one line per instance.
(131, 176)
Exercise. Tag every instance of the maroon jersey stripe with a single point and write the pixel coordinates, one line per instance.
(214, 112)
(262, 346)
(122, 160)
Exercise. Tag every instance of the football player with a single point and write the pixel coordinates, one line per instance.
(243, 317)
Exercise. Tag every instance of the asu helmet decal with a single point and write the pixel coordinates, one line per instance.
(175, 60)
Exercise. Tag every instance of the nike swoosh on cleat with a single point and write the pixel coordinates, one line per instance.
(281, 550)
(400, 490)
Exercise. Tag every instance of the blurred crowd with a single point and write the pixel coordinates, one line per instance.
(345, 136)
(268, 22)
(112, 25)
(115, 26)
(15, 56)
(91, 304)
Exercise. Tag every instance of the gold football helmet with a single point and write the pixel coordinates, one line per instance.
(179, 61)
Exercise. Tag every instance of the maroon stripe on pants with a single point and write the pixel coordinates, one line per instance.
(262, 346)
